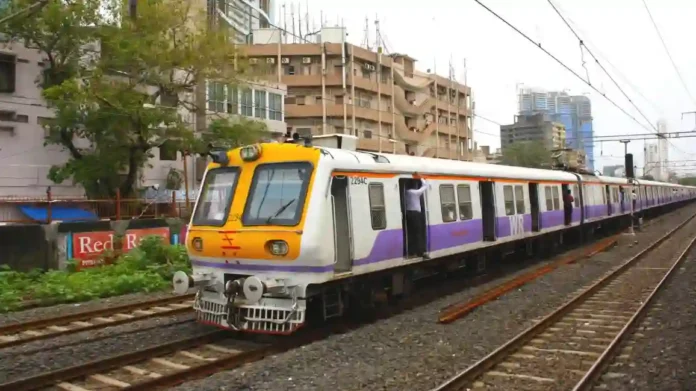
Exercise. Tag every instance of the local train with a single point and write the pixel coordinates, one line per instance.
(283, 232)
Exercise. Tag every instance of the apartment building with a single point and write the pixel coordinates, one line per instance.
(25, 161)
(534, 128)
(336, 87)
(243, 16)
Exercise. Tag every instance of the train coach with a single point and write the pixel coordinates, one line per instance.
(283, 232)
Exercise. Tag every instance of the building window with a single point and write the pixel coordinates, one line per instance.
(167, 151)
(8, 69)
(247, 103)
(378, 211)
(464, 197)
(367, 133)
(260, 104)
(275, 107)
(232, 100)
(222, 98)
(448, 203)
(519, 199)
(216, 96)
(509, 200)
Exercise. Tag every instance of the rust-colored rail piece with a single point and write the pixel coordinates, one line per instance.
(19, 333)
(456, 311)
(570, 348)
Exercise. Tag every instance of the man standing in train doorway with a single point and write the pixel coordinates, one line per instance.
(415, 219)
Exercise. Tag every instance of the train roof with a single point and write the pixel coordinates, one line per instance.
(391, 162)
(405, 163)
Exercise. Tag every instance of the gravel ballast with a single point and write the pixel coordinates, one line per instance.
(410, 351)
(47, 355)
(661, 353)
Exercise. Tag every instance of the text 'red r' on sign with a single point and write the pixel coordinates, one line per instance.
(90, 245)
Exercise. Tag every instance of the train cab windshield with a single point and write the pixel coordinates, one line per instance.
(216, 197)
(277, 194)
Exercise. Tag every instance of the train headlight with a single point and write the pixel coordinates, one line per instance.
(278, 247)
(250, 153)
(197, 244)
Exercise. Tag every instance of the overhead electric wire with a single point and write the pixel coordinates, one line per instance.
(537, 44)
(586, 41)
(601, 66)
(664, 45)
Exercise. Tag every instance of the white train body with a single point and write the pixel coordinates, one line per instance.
(345, 223)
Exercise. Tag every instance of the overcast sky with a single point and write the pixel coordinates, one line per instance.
(498, 58)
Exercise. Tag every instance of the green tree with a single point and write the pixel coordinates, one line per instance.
(231, 133)
(526, 154)
(104, 99)
(687, 181)
(648, 177)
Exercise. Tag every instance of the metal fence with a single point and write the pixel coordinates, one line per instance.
(105, 209)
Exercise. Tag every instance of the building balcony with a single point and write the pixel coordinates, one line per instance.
(336, 110)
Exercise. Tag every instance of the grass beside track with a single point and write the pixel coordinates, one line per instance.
(148, 268)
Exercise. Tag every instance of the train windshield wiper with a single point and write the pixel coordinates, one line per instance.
(281, 210)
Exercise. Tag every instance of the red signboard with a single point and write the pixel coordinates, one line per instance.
(88, 246)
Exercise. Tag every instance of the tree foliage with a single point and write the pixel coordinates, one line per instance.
(687, 181)
(526, 154)
(122, 86)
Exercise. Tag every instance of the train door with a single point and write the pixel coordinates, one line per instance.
(488, 210)
(607, 197)
(410, 247)
(534, 202)
(340, 202)
(567, 207)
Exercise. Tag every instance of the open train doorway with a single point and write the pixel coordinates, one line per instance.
(341, 213)
(415, 232)
(488, 210)
(534, 201)
(567, 204)
(607, 197)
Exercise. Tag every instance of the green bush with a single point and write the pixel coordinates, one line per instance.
(147, 268)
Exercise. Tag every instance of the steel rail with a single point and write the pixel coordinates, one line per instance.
(10, 330)
(482, 366)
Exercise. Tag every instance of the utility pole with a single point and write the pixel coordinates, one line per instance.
(628, 180)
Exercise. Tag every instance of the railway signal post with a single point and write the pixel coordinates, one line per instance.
(628, 170)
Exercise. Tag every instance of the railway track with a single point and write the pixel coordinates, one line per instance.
(20, 333)
(570, 348)
(166, 365)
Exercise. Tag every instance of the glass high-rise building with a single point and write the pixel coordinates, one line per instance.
(573, 111)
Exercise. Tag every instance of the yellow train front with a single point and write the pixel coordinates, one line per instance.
(253, 255)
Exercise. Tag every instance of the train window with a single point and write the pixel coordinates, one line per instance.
(509, 200)
(277, 194)
(576, 196)
(378, 210)
(519, 199)
(448, 204)
(549, 199)
(556, 199)
(216, 198)
(604, 194)
(466, 212)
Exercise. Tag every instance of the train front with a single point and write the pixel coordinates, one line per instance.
(245, 239)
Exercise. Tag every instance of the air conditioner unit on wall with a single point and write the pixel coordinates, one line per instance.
(270, 60)
(369, 67)
(285, 60)
(253, 61)
(306, 60)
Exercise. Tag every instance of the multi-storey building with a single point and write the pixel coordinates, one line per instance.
(25, 161)
(337, 87)
(534, 128)
(574, 112)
